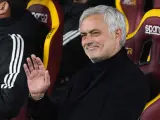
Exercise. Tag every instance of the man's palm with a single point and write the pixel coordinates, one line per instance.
(38, 78)
(36, 81)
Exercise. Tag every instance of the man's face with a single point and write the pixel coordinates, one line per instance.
(97, 41)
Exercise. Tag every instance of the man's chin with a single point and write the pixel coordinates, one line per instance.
(95, 59)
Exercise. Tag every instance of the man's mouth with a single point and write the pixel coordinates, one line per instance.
(91, 48)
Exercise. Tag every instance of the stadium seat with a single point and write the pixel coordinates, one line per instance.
(152, 110)
(144, 47)
(133, 10)
(22, 115)
(156, 4)
(50, 13)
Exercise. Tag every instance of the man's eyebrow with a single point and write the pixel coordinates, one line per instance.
(90, 31)
(83, 33)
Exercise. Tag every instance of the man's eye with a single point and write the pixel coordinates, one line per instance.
(94, 34)
(83, 35)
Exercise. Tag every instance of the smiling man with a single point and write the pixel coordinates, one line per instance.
(98, 42)
(111, 88)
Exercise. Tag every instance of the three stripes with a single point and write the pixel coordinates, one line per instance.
(70, 36)
(15, 63)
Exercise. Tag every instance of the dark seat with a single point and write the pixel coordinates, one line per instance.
(152, 67)
(152, 110)
(144, 48)
(50, 13)
(133, 10)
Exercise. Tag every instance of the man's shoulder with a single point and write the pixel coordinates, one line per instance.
(135, 71)
(131, 73)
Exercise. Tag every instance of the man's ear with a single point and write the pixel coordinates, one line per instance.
(118, 34)
(4, 7)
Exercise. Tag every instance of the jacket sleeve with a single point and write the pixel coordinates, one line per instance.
(13, 83)
(44, 109)
(126, 102)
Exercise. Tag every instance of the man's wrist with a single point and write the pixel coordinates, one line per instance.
(36, 97)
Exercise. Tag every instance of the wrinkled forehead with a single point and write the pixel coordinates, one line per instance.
(93, 22)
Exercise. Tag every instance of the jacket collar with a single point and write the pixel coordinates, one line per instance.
(113, 62)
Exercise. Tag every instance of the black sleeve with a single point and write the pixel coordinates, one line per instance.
(48, 108)
(127, 103)
(44, 109)
(13, 83)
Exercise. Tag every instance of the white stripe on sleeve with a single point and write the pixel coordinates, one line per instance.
(16, 61)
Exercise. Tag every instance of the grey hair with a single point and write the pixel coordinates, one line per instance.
(114, 19)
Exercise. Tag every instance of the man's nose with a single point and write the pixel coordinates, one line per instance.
(87, 38)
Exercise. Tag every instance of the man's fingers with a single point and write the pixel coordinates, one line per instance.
(34, 62)
(26, 70)
(30, 65)
(47, 78)
(40, 63)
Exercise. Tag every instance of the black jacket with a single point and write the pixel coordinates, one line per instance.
(113, 89)
(20, 36)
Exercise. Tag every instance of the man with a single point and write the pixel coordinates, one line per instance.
(20, 35)
(73, 57)
(111, 88)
